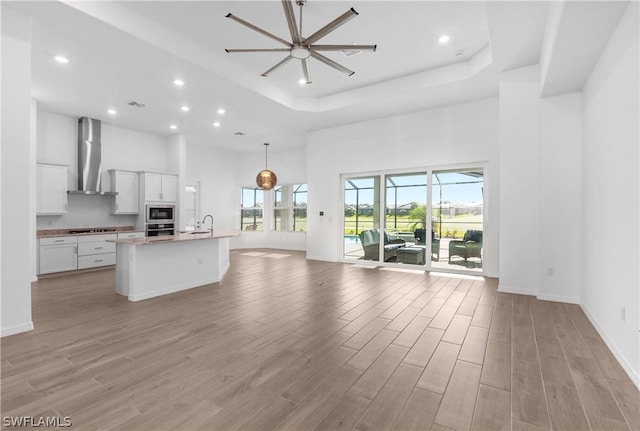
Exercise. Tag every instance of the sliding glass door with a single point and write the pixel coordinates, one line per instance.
(457, 218)
(431, 219)
(362, 218)
(406, 218)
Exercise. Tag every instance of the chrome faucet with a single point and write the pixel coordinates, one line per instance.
(205, 218)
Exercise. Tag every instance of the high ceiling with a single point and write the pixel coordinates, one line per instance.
(132, 51)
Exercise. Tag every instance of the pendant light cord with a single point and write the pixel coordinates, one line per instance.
(266, 147)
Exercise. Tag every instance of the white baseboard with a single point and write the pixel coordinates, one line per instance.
(16, 329)
(324, 259)
(633, 375)
(516, 290)
(558, 298)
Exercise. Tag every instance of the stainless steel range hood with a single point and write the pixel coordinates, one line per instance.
(89, 158)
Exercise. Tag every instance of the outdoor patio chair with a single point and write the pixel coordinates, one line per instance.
(470, 246)
(420, 236)
(370, 240)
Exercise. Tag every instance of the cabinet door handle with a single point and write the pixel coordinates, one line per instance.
(65, 207)
(116, 207)
(59, 240)
(98, 248)
(161, 196)
(98, 260)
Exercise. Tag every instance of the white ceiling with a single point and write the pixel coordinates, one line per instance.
(132, 51)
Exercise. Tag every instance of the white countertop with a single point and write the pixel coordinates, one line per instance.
(180, 237)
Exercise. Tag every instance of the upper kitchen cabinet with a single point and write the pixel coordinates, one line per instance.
(126, 184)
(51, 189)
(159, 187)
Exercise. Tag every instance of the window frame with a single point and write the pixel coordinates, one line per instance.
(257, 225)
(288, 206)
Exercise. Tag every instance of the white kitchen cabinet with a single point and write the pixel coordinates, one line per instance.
(94, 251)
(126, 184)
(159, 187)
(130, 235)
(57, 254)
(169, 188)
(51, 189)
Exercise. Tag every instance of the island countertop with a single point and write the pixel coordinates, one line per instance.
(180, 237)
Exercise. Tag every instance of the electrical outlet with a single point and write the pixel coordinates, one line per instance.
(551, 271)
(199, 261)
(623, 313)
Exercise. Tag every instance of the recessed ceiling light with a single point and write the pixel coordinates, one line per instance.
(216, 124)
(221, 111)
(184, 108)
(112, 111)
(61, 59)
(173, 127)
(178, 82)
(444, 39)
(302, 81)
(459, 53)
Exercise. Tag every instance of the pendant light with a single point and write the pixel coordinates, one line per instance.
(266, 179)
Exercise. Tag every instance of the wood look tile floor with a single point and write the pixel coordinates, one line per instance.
(291, 344)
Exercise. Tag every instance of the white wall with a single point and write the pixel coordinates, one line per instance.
(16, 173)
(123, 149)
(610, 228)
(519, 166)
(219, 192)
(559, 198)
(458, 134)
(290, 167)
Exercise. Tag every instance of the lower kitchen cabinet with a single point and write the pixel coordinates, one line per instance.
(68, 253)
(95, 251)
(58, 254)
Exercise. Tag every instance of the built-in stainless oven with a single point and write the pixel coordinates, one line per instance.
(160, 213)
(159, 229)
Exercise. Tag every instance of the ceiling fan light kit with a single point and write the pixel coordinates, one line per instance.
(302, 48)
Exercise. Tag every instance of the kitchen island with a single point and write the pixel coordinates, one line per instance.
(154, 266)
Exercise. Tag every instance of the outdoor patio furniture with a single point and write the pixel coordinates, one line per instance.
(420, 236)
(470, 246)
(411, 255)
(370, 240)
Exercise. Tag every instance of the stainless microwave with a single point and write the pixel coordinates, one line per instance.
(160, 213)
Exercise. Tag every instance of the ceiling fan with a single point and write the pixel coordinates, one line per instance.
(304, 48)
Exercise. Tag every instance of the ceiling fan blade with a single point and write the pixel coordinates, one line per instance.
(277, 66)
(258, 29)
(305, 70)
(351, 13)
(231, 51)
(343, 47)
(291, 21)
(331, 63)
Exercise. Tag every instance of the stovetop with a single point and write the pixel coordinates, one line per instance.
(91, 230)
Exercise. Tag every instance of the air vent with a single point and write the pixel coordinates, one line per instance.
(136, 104)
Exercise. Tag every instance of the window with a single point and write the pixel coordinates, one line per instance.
(290, 207)
(252, 201)
(300, 207)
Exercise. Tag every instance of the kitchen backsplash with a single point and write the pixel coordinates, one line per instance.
(85, 211)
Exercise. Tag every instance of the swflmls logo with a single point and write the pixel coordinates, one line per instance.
(30, 421)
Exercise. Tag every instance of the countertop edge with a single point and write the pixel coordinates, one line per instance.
(183, 237)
